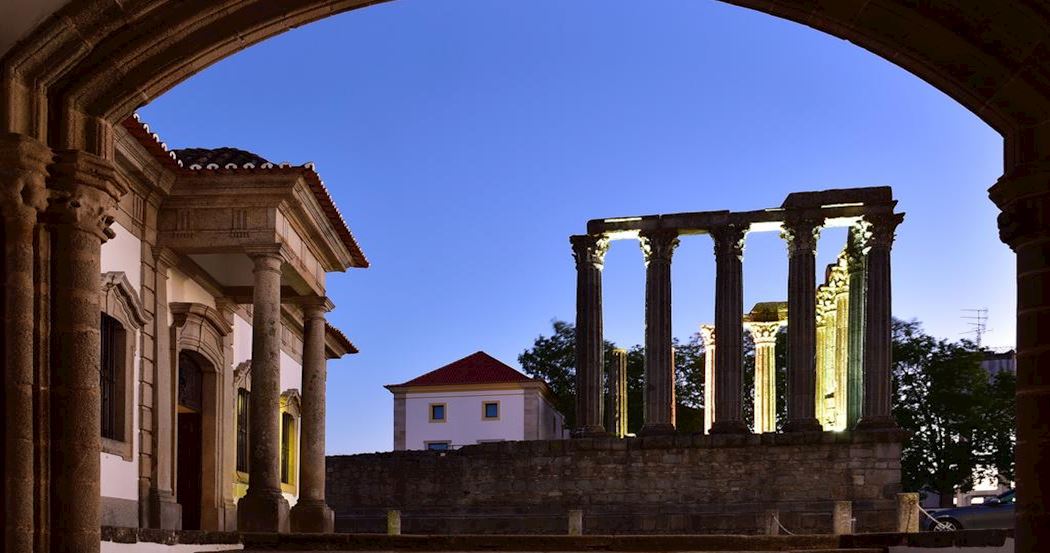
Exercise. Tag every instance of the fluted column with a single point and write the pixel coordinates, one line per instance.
(841, 351)
(856, 257)
(821, 363)
(729, 307)
(765, 337)
(707, 334)
(876, 413)
(311, 513)
(801, 235)
(263, 508)
(658, 247)
(589, 252)
(84, 190)
(617, 412)
(23, 170)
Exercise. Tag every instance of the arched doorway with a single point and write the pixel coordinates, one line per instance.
(190, 437)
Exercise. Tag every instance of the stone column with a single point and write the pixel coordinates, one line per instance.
(729, 308)
(765, 337)
(856, 258)
(1023, 195)
(311, 513)
(707, 334)
(263, 508)
(876, 413)
(841, 352)
(658, 247)
(801, 235)
(618, 393)
(84, 191)
(589, 252)
(821, 361)
(23, 171)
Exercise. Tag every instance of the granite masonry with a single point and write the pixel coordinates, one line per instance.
(647, 485)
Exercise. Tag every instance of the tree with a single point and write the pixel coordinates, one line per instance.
(941, 402)
(1000, 433)
(553, 359)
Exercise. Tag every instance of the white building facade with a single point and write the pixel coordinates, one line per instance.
(474, 400)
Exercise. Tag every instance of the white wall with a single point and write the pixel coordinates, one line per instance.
(547, 413)
(119, 478)
(463, 418)
(182, 288)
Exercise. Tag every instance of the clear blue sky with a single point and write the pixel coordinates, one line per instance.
(465, 140)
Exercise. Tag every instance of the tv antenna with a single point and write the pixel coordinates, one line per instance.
(978, 322)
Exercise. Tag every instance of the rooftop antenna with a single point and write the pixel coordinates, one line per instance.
(978, 322)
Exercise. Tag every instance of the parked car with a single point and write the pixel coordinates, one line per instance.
(995, 512)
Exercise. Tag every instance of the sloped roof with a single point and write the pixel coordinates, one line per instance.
(476, 368)
(205, 161)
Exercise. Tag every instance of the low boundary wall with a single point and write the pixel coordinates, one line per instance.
(652, 485)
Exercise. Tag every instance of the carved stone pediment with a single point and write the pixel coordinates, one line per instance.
(202, 329)
(120, 300)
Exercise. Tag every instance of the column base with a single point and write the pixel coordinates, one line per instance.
(877, 424)
(596, 431)
(164, 512)
(657, 429)
(312, 517)
(264, 511)
(803, 425)
(729, 427)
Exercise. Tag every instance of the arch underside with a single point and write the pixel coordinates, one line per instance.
(95, 62)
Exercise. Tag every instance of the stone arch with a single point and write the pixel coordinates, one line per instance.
(201, 329)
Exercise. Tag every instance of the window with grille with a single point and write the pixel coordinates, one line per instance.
(110, 375)
(242, 430)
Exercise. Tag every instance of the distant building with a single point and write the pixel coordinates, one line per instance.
(474, 400)
(996, 363)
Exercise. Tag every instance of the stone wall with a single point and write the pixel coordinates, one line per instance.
(666, 484)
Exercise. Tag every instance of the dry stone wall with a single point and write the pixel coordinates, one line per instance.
(664, 484)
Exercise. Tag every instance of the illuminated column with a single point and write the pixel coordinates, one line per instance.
(264, 508)
(841, 348)
(729, 306)
(589, 252)
(821, 357)
(856, 252)
(876, 414)
(707, 333)
(765, 337)
(618, 393)
(826, 371)
(801, 235)
(658, 247)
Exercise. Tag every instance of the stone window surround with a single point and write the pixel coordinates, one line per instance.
(484, 410)
(120, 301)
(444, 413)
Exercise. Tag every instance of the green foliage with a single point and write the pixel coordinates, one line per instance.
(553, 359)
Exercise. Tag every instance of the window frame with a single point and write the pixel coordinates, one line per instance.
(120, 302)
(444, 412)
(447, 443)
(484, 410)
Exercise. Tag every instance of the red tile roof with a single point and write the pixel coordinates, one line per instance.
(231, 156)
(476, 368)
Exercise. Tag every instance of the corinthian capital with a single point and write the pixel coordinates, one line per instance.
(707, 334)
(801, 234)
(658, 245)
(729, 240)
(83, 192)
(764, 333)
(589, 250)
(883, 228)
(858, 241)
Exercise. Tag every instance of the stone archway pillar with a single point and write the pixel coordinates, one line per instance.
(1024, 224)
(876, 411)
(311, 513)
(589, 252)
(23, 172)
(801, 235)
(84, 189)
(264, 508)
(729, 306)
(658, 247)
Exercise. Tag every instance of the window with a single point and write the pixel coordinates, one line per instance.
(111, 372)
(287, 448)
(438, 446)
(437, 412)
(490, 410)
(242, 430)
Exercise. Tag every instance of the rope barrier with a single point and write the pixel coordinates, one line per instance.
(937, 525)
(776, 518)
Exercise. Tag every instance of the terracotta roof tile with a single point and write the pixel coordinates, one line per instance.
(219, 156)
(476, 368)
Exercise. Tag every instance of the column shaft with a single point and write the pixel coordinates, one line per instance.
(876, 413)
(85, 189)
(855, 247)
(23, 169)
(707, 333)
(801, 235)
(617, 412)
(311, 513)
(729, 307)
(765, 338)
(658, 247)
(263, 508)
(589, 252)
